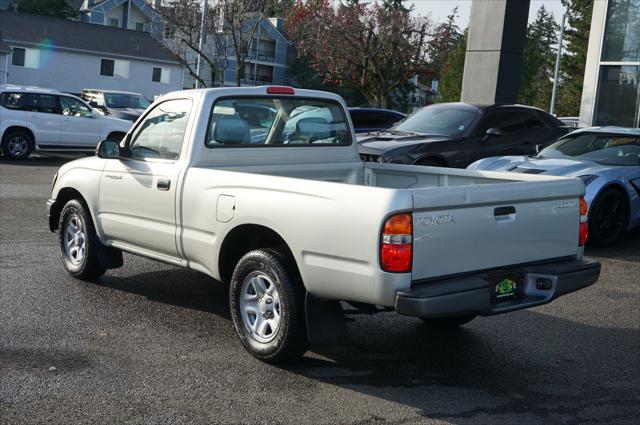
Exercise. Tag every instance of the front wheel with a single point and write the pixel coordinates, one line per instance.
(447, 322)
(78, 242)
(266, 300)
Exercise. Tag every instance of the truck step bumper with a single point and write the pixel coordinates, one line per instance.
(471, 294)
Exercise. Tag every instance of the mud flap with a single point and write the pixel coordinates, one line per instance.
(109, 257)
(325, 320)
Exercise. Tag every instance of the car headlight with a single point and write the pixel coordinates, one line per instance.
(587, 179)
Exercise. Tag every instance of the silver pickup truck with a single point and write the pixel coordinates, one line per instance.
(263, 189)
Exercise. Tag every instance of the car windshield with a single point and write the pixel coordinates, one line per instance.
(441, 120)
(125, 100)
(605, 149)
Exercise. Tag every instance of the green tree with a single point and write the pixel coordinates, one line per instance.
(539, 58)
(574, 59)
(451, 81)
(279, 8)
(445, 39)
(56, 8)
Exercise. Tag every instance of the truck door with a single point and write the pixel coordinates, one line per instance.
(138, 191)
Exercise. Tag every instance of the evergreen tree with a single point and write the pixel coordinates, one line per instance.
(445, 39)
(451, 81)
(55, 8)
(539, 58)
(574, 59)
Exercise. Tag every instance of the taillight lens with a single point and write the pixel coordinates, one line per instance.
(396, 246)
(584, 234)
(584, 227)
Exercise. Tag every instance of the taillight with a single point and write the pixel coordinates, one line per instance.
(396, 246)
(583, 234)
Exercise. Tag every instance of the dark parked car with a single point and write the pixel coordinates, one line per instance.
(457, 134)
(366, 120)
(118, 104)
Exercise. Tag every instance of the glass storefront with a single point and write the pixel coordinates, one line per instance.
(621, 41)
(618, 95)
(618, 100)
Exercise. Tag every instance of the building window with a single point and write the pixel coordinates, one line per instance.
(28, 58)
(161, 75)
(618, 100)
(139, 26)
(169, 32)
(622, 32)
(114, 22)
(114, 68)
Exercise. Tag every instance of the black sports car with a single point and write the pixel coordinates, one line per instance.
(457, 134)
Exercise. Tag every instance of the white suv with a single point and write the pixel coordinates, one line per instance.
(48, 120)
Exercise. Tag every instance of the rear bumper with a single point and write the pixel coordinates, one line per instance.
(471, 294)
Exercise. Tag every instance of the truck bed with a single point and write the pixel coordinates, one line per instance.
(462, 218)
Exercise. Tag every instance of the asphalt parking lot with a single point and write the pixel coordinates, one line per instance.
(150, 343)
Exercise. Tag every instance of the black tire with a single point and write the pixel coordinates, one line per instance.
(17, 144)
(116, 135)
(289, 340)
(608, 218)
(447, 322)
(85, 266)
(431, 162)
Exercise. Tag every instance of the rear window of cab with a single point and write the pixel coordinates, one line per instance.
(277, 121)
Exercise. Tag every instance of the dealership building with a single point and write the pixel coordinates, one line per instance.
(611, 91)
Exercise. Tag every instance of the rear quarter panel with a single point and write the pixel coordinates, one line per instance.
(332, 229)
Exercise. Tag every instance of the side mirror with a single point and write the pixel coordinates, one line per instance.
(494, 132)
(108, 149)
(491, 132)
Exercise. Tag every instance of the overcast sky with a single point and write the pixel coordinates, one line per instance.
(441, 8)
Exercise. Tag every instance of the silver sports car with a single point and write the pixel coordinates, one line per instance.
(607, 159)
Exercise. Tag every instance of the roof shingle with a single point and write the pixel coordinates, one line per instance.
(66, 34)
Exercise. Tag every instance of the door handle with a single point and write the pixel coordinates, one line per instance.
(504, 211)
(163, 184)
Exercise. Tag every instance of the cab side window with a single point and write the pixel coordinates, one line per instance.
(74, 108)
(162, 132)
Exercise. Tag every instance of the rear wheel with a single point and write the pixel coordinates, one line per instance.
(608, 217)
(17, 144)
(267, 306)
(447, 322)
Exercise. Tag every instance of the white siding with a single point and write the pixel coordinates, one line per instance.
(72, 72)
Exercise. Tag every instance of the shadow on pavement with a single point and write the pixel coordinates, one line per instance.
(628, 249)
(41, 160)
(182, 288)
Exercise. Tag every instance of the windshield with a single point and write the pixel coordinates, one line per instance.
(441, 120)
(125, 100)
(606, 149)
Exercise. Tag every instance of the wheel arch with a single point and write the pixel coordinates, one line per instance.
(245, 238)
(434, 156)
(18, 127)
(614, 186)
(112, 135)
(64, 195)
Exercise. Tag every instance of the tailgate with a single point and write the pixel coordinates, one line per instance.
(469, 228)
